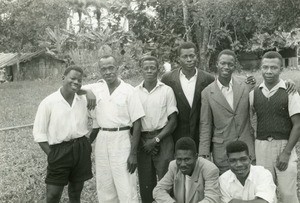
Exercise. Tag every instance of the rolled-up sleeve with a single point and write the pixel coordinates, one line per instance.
(135, 108)
(41, 123)
(171, 102)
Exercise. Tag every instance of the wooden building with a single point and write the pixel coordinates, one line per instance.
(30, 66)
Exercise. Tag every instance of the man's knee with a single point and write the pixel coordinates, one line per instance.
(54, 193)
(74, 191)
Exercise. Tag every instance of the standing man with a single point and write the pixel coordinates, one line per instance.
(60, 126)
(245, 183)
(225, 112)
(118, 110)
(278, 126)
(190, 179)
(156, 145)
(187, 83)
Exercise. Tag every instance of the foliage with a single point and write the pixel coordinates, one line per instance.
(22, 22)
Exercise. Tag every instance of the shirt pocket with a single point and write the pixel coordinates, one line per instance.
(121, 105)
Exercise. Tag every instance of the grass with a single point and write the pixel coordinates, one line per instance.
(22, 162)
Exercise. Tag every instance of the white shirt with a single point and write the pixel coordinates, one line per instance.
(56, 121)
(227, 92)
(119, 109)
(158, 104)
(188, 86)
(188, 183)
(293, 99)
(259, 183)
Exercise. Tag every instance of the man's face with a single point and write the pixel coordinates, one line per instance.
(239, 163)
(188, 59)
(72, 81)
(149, 70)
(186, 161)
(108, 70)
(271, 69)
(226, 66)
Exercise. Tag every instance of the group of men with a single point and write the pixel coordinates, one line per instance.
(206, 120)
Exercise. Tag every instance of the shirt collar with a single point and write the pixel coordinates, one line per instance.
(76, 97)
(222, 86)
(159, 83)
(281, 84)
(182, 75)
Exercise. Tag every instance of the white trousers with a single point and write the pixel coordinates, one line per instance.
(114, 183)
(266, 156)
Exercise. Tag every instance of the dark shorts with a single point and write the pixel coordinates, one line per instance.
(69, 162)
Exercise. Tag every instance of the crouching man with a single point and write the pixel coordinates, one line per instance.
(60, 126)
(245, 182)
(190, 178)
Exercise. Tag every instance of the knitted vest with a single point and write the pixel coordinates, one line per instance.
(272, 115)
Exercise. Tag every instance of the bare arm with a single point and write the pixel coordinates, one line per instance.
(94, 134)
(284, 156)
(45, 147)
(135, 138)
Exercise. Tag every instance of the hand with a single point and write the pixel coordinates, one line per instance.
(283, 160)
(91, 100)
(155, 150)
(250, 80)
(149, 145)
(131, 163)
(290, 86)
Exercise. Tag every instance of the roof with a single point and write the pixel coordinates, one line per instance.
(9, 59)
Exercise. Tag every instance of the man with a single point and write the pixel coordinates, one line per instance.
(193, 179)
(60, 126)
(156, 145)
(278, 126)
(225, 112)
(187, 84)
(118, 110)
(245, 182)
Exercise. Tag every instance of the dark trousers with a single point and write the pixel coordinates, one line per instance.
(153, 168)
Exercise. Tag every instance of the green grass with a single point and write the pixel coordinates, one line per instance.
(22, 162)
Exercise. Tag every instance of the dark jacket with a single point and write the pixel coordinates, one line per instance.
(188, 118)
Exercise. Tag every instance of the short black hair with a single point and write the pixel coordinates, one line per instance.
(186, 143)
(237, 146)
(106, 57)
(149, 58)
(273, 55)
(73, 67)
(186, 45)
(227, 52)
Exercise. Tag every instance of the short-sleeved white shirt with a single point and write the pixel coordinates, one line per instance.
(293, 99)
(119, 109)
(56, 121)
(158, 105)
(259, 183)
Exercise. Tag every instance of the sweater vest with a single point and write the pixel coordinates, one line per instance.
(273, 118)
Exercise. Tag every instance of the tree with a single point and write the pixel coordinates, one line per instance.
(23, 22)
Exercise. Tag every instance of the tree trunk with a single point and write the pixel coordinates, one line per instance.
(185, 20)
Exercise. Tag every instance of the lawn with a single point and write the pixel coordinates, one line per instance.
(22, 162)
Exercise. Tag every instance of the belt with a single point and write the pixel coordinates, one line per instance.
(154, 132)
(269, 138)
(115, 129)
(69, 141)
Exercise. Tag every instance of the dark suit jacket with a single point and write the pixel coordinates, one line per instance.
(188, 118)
(204, 184)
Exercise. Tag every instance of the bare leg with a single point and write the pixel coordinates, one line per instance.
(54, 193)
(74, 191)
